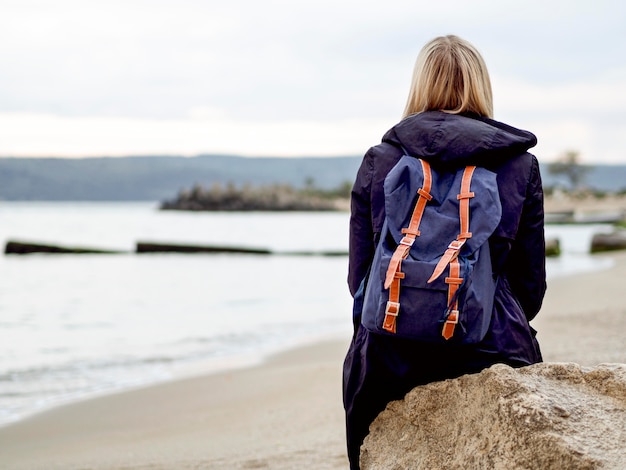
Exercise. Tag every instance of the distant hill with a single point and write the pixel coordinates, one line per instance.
(159, 178)
(156, 178)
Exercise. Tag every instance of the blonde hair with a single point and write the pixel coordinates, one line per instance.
(450, 75)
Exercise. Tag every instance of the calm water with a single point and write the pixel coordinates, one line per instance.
(73, 326)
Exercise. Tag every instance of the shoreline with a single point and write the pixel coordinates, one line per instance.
(285, 412)
(256, 403)
(180, 372)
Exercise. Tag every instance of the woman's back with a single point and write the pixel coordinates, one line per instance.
(448, 123)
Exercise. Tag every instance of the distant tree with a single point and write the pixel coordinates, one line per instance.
(309, 183)
(343, 191)
(569, 166)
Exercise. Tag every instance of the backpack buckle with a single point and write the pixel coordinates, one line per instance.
(392, 308)
(456, 245)
(453, 316)
(450, 324)
(407, 241)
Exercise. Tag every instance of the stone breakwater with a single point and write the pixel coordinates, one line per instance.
(548, 416)
(258, 199)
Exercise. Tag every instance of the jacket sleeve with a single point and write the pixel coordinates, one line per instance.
(361, 243)
(527, 266)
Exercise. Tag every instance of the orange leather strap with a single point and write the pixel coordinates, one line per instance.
(393, 305)
(412, 231)
(448, 256)
(424, 196)
(453, 281)
(394, 271)
(464, 216)
(464, 197)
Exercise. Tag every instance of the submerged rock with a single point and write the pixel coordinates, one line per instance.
(25, 248)
(608, 241)
(151, 247)
(553, 247)
(545, 416)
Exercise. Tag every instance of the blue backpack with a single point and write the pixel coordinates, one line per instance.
(431, 278)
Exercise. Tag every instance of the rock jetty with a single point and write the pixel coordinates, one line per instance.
(270, 198)
(546, 416)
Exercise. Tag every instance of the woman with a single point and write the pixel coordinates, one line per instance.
(447, 122)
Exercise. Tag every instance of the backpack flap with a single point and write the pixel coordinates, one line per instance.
(441, 216)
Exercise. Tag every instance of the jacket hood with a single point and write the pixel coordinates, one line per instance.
(453, 140)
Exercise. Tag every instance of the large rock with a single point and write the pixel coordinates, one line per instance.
(545, 416)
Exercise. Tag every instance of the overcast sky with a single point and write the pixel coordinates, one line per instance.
(324, 77)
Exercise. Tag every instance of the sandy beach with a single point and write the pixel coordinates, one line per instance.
(283, 414)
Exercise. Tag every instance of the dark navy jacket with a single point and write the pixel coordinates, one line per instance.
(380, 368)
(449, 141)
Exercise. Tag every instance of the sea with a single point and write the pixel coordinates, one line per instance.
(75, 326)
